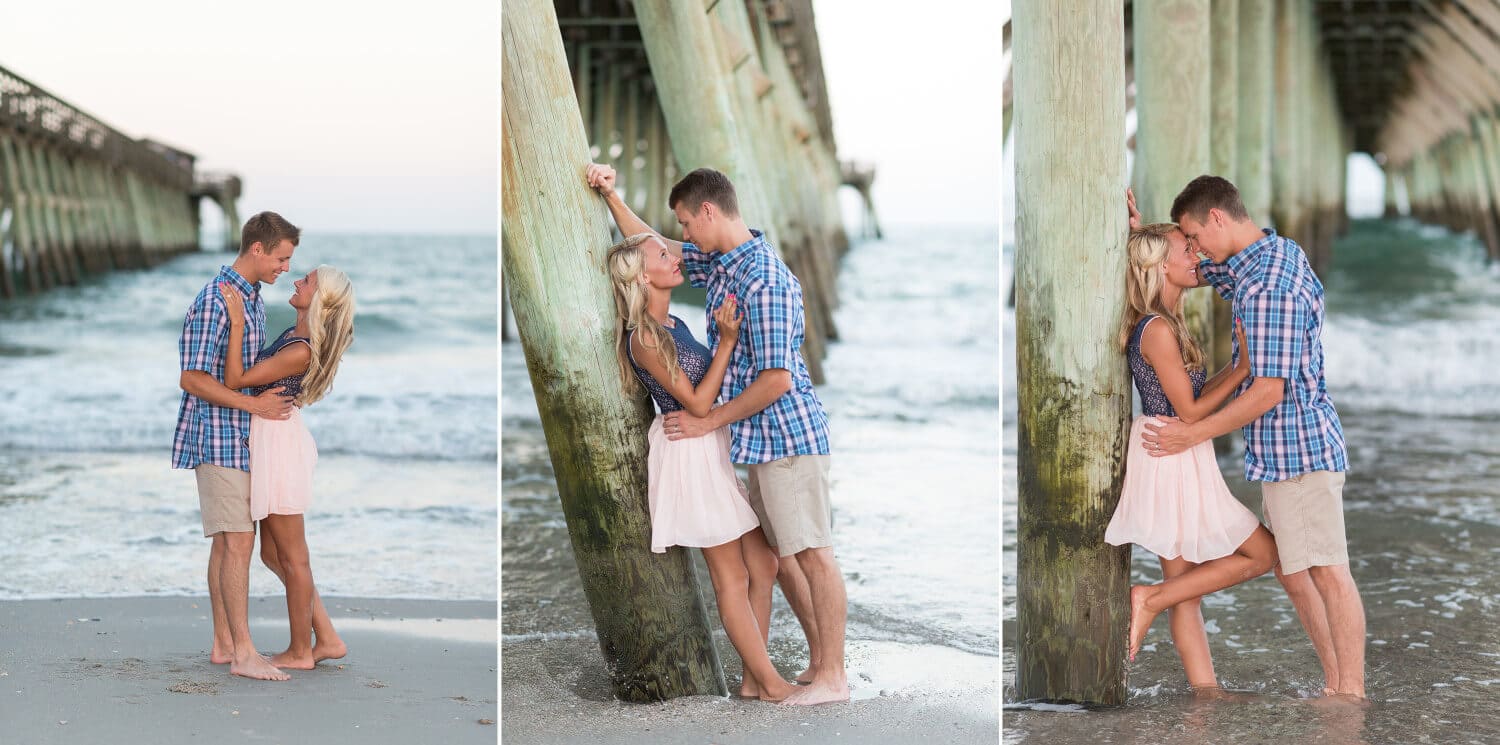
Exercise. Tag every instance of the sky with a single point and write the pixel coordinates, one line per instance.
(342, 116)
(918, 94)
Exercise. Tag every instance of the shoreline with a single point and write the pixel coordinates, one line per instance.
(93, 669)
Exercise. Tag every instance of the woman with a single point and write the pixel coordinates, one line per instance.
(303, 360)
(1178, 506)
(695, 497)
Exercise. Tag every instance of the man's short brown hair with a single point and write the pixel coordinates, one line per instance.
(1205, 193)
(705, 185)
(269, 230)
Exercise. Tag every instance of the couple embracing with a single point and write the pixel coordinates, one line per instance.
(768, 417)
(239, 427)
(1175, 502)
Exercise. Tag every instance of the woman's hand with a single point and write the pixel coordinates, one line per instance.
(728, 319)
(233, 304)
(1135, 214)
(601, 178)
(1239, 331)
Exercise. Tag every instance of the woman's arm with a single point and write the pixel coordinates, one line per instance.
(1159, 347)
(1226, 381)
(700, 399)
(292, 359)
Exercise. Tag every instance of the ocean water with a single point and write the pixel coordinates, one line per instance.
(911, 396)
(1411, 344)
(404, 495)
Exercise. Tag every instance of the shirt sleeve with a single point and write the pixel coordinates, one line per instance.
(768, 320)
(697, 265)
(1276, 331)
(1218, 277)
(204, 334)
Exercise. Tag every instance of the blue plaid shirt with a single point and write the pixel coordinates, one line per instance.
(208, 433)
(770, 338)
(1275, 295)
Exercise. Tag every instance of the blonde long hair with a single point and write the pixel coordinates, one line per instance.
(330, 331)
(627, 262)
(1147, 249)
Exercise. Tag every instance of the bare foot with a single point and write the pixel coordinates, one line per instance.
(1140, 617)
(818, 692)
(749, 688)
(329, 650)
(778, 690)
(807, 676)
(294, 660)
(221, 654)
(258, 668)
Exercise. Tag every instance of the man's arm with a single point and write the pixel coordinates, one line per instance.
(268, 405)
(768, 386)
(1175, 436)
(602, 179)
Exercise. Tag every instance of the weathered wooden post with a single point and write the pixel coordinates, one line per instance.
(652, 624)
(1173, 103)
(1224, 79)
(1072, 388)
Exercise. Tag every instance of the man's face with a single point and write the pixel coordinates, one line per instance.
(1209, 236)
(271, 263)
(695, 228)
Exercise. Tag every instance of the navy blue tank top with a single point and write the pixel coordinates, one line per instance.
(692, 357)
(1153, 400)
(293, 383)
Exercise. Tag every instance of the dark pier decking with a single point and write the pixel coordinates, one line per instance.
(78, 197)
(1274, 95)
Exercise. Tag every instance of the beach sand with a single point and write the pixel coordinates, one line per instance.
(555, 691)
(136, 670)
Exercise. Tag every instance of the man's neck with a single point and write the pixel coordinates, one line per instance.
(1244, 235)
(242, 267)
(734, 236)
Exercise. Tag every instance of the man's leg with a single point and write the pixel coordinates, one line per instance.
(222, 652)
(1314, 617)
(234, 580)
(1346, 624)
(830, 607)
(794, 586)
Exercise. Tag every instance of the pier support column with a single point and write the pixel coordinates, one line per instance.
(1223, 161)
(1074, 395)
(652, 624)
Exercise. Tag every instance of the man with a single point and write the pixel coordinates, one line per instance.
(1293, 441)
(213, 430)
(777, 424)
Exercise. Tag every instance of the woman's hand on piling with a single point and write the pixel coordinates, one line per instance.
(233, 304)
(1135, 214)
(601, 178)
(727, 317)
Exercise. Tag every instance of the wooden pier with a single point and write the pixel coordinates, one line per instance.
(1272, 94)
(77, 197)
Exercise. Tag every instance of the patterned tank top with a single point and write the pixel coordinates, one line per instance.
(293, 383)
(692, 357)
(1153, 400)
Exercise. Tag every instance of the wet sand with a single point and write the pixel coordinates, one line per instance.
(137, 670)
(556, 692)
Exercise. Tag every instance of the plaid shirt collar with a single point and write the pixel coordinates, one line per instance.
(1239, 263)
(737, 254)
(246, 288)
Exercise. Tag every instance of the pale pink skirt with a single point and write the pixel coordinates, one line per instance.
(1178, 505)
(696, 498)
(282, 456)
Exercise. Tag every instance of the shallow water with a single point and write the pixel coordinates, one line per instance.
(404, 501)
(911, 397)
(1411, 345)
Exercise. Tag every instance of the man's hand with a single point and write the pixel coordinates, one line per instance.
(601, 178)
(1170, 437)
(680, 424)
(272, 404)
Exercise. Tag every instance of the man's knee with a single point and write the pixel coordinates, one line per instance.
(817, 561)
(1331, 577)
(239, 545)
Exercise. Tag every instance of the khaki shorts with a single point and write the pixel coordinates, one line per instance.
(790, 496)
(224, 499)
(1306, 514)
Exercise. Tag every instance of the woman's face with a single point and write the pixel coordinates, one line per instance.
(306, 289)
(1181, 264)
(661, 269)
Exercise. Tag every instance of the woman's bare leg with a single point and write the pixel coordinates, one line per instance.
(726, 566)
(1253, 558)
(761, 564)
(1188, 633)
(326, 642)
